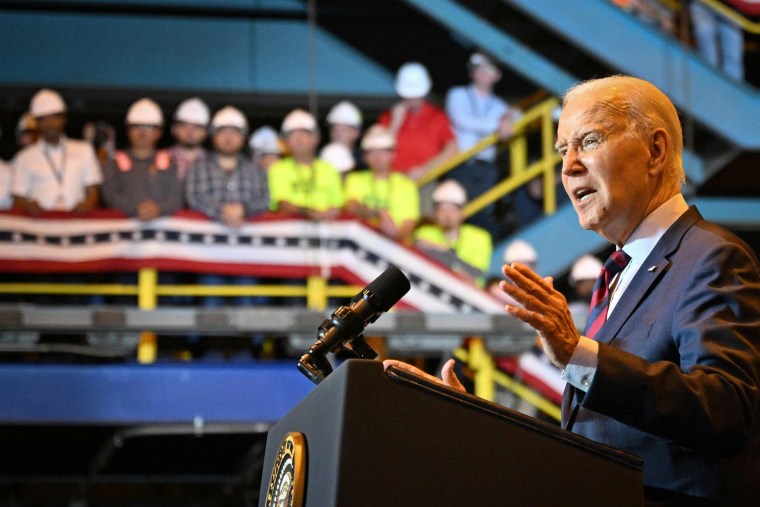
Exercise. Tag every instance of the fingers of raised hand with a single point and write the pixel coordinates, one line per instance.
(536, 320)
(522, 276)
(524, 297)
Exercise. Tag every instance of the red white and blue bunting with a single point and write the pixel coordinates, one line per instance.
(345, 250)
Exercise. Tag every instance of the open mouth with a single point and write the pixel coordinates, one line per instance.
(581, 194)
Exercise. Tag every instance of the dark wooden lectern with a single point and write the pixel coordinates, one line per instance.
(377, 438)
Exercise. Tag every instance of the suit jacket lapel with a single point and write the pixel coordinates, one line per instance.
(633, 295)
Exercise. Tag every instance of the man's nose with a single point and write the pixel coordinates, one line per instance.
(571, 163)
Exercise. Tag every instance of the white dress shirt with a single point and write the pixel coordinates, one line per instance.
(56, 176)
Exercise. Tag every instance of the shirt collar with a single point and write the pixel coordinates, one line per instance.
(650, 230)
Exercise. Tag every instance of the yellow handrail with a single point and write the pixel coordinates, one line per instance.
(520, 172)
(148, 289)
(105, 289)
(450, 163)
(673, 5)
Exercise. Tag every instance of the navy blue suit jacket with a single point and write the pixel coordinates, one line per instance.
(679, 366)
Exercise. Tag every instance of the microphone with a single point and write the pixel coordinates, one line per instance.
(345, 326)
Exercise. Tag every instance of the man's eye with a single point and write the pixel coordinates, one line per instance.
(590, 142)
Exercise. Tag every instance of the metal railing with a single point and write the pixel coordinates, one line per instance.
(315, 290)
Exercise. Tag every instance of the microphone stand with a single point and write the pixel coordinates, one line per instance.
(342, 331)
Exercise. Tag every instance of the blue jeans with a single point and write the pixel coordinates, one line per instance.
(719, 40)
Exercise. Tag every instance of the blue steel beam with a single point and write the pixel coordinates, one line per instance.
(562, 233)
(734, 212)
(278, 5)
(190, 53)
(207, 8)
(506, 49)
(144, 394)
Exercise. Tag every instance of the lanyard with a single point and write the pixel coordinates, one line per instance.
(58, 173)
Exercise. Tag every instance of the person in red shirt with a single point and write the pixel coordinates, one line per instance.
(424, 137)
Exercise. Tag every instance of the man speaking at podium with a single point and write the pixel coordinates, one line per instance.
(668, 367)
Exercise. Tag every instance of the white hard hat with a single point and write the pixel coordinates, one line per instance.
(193, 111)
(520, 251)
(345, 113)
(145, 112)
(378, 137)
(26, 122)
(450, 192)
(587, 267)
(46, 102)
(265, 140)
(338, 155)
(298, 119)
(230, 117)
(413, 81)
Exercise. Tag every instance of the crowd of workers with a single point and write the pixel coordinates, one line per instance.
(230, 175)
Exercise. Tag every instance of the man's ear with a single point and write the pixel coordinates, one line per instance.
(659, 146)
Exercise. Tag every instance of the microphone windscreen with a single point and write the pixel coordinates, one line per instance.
(389, 287)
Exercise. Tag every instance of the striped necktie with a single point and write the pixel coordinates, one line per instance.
(600, 299)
